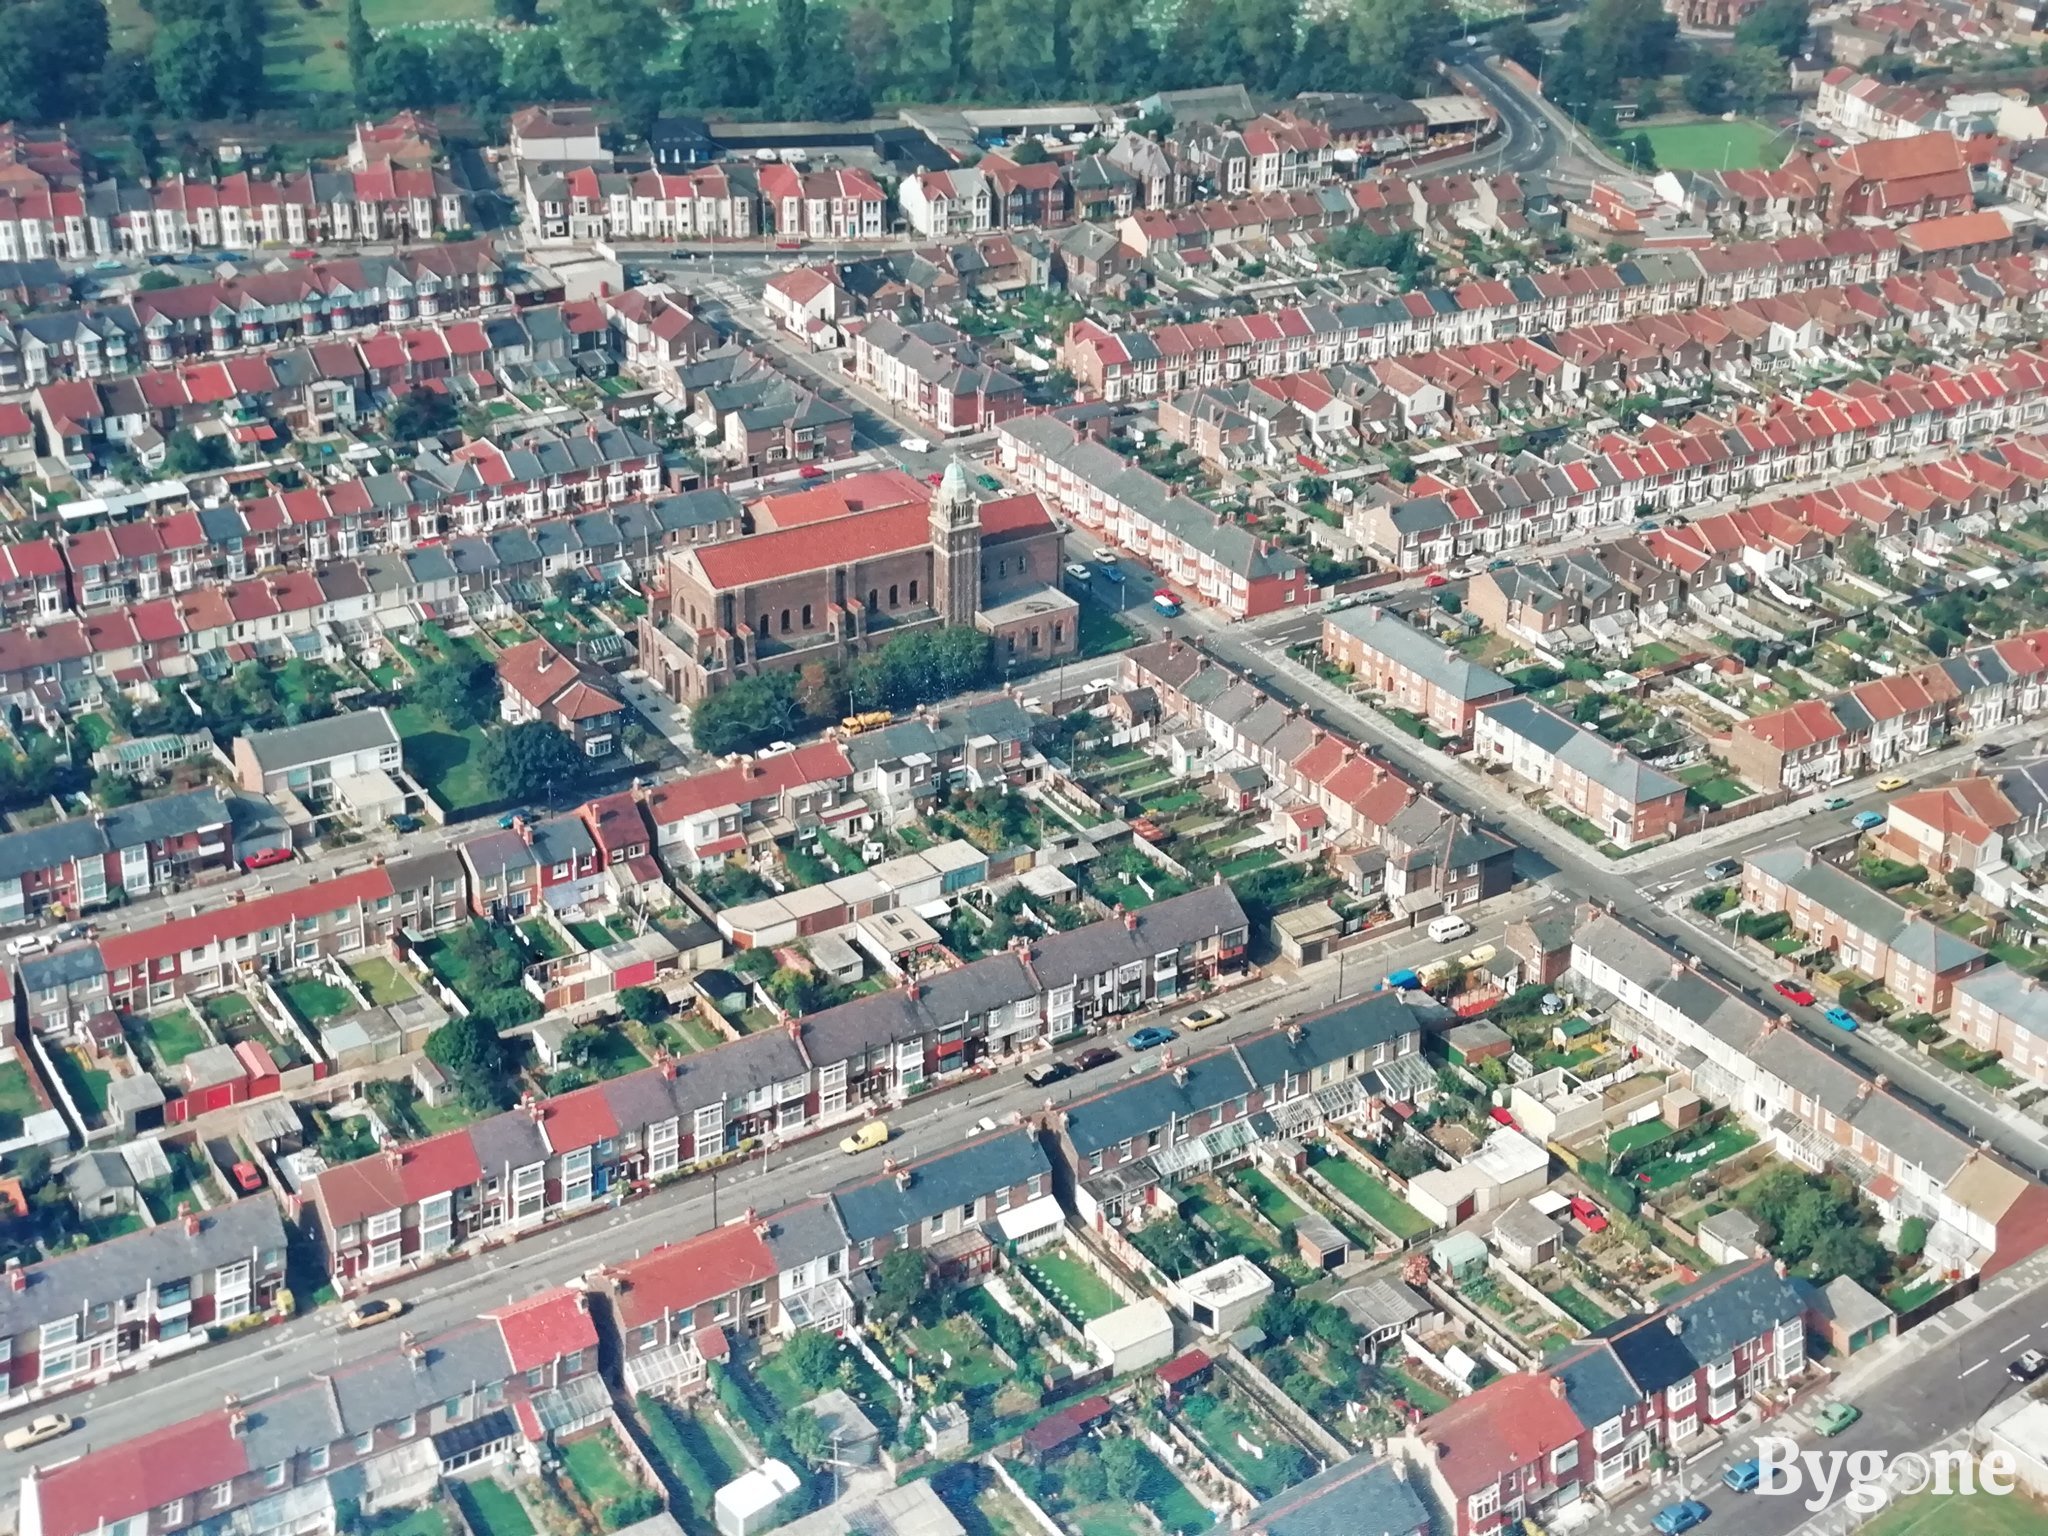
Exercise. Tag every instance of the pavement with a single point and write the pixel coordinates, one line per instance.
(442, 1296)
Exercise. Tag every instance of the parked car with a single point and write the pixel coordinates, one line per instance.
(1991, 749)
(367, 1314)
(1095, 1056)
(1840, 1017)
(1892, 781)
(305, 253)
(1436, 579)
(1793, 992)
(1113, 573)
(505, 821)
(1202, 1017)
(1079, 571)
(1744, 1476)
(1835, 803)
(1676, 1519)
(1723, 869)
(1867, 821)
(1837, 1417)
(28, 944)
(264, 858)
(40, 1430)
(1150, 1037)
(1046, 1073)
(866, 1139)
(248, 1177)
(1105, 554)
(2028, 1366)
(811, 472)
(405, 821)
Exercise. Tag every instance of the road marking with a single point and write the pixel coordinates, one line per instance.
(1977, 1367)
(2016, 1342)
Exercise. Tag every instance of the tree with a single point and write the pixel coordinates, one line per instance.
(1754, 75)
(1962, 881)
(399, 72)
(1110, 51)
(422, 412)
(899, 1282)
(507, 1008)
(1642, 154)
(525, 12)
(190, 454)
(362, 42)
(1268, 32)
(487, 958)
(812, 1358)
(1912, 1237)
(1010, 45)
(644, 1005)
(806, 1435)
(608, 44)
(110, 789)
(1779, 25)
(747, 714)
(469, 1051)
(1123, 1469)
(1517, 40)
(190, 66)
(1086, 1481)
(534, 70)
(470, 70)
(460, 693)
(1706, 83)
(1392, 41)
(51, 53)
(1849, 1251)
(531, 761)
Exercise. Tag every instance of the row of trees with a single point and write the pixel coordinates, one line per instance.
(772, 706)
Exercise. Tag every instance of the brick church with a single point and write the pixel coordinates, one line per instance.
(845, 566)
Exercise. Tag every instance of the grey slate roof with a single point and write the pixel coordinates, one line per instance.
(1359, 1025)
(876, 1207)
(294, 746)
(1360, 1497)
(380, 1389)
(800, 1233)
(1606, 764)
(1408, 647)
(2010, 994)
(1153, 1102)
(1883, 919)
(1062, 958)
(126, 1266)
(907, 1013)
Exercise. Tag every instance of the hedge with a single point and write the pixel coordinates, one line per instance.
(1604, 1186)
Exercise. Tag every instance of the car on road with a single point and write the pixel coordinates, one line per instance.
(28, 944)
(40, 1430)
(866, 1139)
(1835, 803)
(1150, 1037)
(1095, 1056)
(1676, 1519)
(1867, 821)
(1840, 1017)
(1079, 571)
(1105, 554)
(1723, 869)
(1436, 579)
(248, 1177)
(2027, 1367)
(1113, 573)
(1991, 749)
(1744, 1476)
(368, 1314)
(915, 444)
(264, 858)
(1046, 1073)
(1202, 1017)
(1793, 992)
(811, 472)
(505, 821)
(1837, 1417)
(1892, 781)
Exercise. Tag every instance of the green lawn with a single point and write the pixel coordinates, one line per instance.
(1223, 1218)
(1373, 1196)
(960, 1338)
(382, 982)
(594, 1466)
(97, 730)
(1712, 145)
(1274, 1203)
(1722, 1145)
(17, 1098)
(1103, 633)
(712, 1460)
(1580, 1307)
(595, 935)
(416, 1522)
(224, 1008)
(542, 939)
(1072, 1284)
(1628, 1138)
(315, 1000)
(492, 1509)
(1940, 1514)
(174, 1036)
(444, 761)
(1419, 1392)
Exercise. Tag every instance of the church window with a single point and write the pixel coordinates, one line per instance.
(892, 594)
(785, 621)
(913, 591)
(807, 615)
(874, 600)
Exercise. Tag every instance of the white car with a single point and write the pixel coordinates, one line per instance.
(916, 445)
(28, 944)
(1079, 571)
(38, 1431)
(1106, 555)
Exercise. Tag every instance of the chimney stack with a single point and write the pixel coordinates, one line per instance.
(1131, 921)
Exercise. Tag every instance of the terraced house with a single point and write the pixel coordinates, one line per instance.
(1410, 670)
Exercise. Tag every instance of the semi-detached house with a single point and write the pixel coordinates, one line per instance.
(120, 1305)
(382, 1429)
(1627, 800)
(1411, 670)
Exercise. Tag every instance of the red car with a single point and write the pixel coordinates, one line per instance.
(305, 255)
(1791, 991)
(247, 1178)
(263, 858)
(1436, 579)
(810, 472)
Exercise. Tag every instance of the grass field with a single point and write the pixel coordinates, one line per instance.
(492, 1509)
(1711, 145)
(1074, 1287)
(443, 760)
(594, 1466)
(1981, 1514)
(382, 982)
(316, 1000)
(174, 1036)
(1373, 1197)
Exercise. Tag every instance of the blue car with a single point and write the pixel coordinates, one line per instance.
(1113, 573)
(1402, 981)
(1840, 1017)
(1676, 1519)
(1744, 1476)
(1866, 821)
(1150, 1036)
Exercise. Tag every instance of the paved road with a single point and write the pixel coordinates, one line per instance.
(454, 1292)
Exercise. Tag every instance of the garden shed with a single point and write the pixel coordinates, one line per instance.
(1134, 1337)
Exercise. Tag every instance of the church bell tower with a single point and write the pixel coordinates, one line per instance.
(956, 548)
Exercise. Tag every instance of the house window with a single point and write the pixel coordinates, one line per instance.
(807, 615)
(1484, 1502)
(1564, 1458)
(1608, 1435)
(173, 1514)
(1682, 1393)
(273, 1475)
(223, 1495)
(404, 1427)
(366, 1442)
(785, 621)
(317, 1458)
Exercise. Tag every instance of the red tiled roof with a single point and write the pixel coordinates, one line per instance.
(543, 1328)
(771, 556)
(689, 1273)
(754, 779)
(390, 1181)
(1010, 515)
(229, 920)
(582, 1118)
(1506, 1424)
(133, 1477)
(875, 491)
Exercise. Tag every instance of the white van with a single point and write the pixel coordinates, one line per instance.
(1447, 928)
